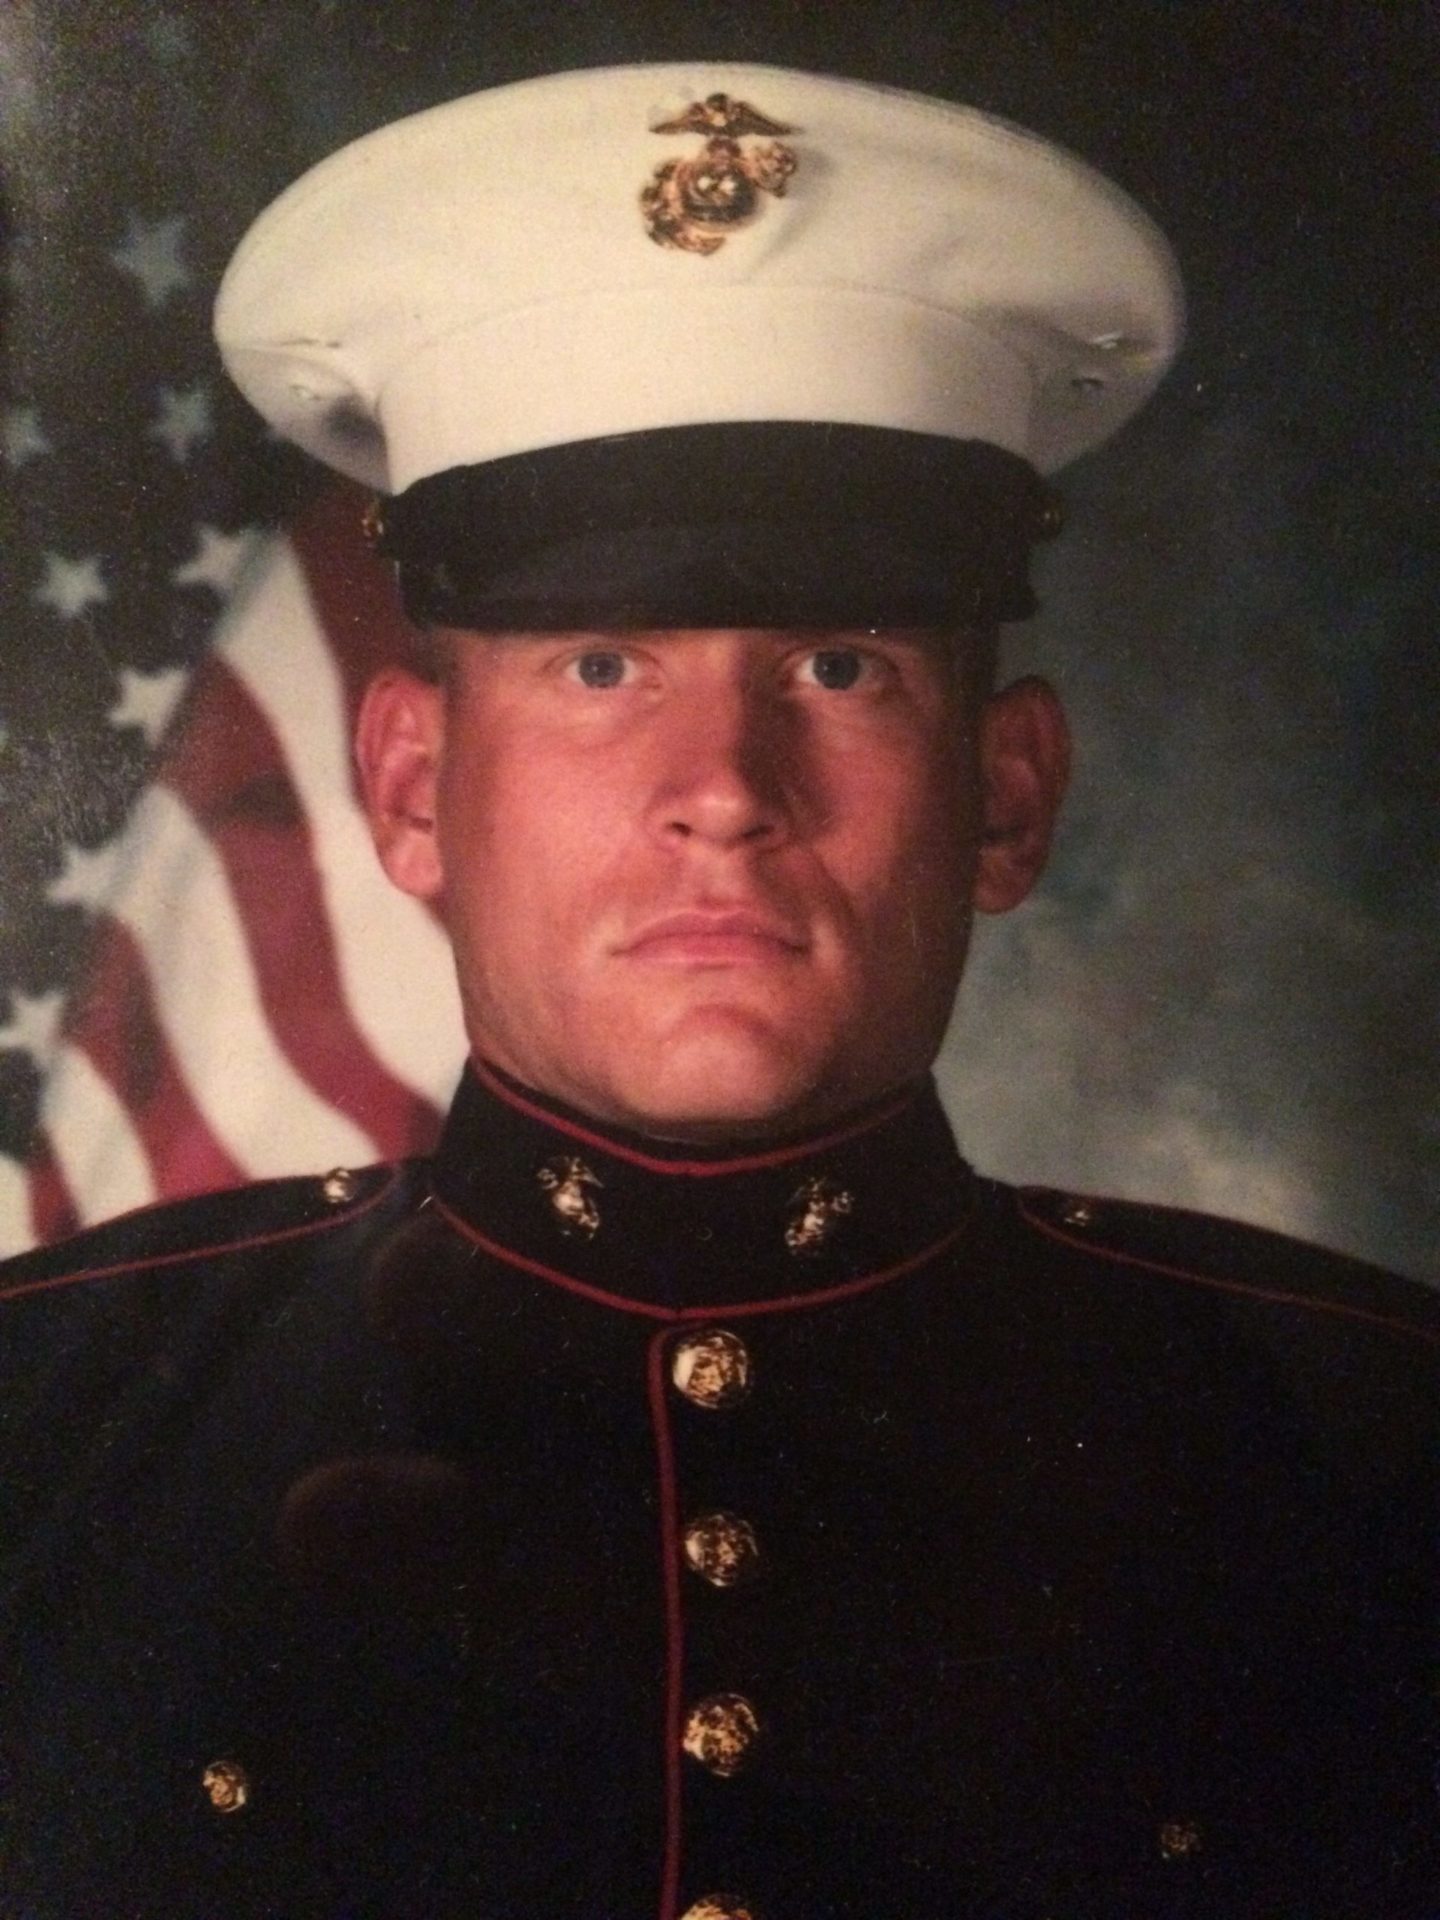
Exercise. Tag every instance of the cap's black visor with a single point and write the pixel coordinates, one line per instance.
(748, 524)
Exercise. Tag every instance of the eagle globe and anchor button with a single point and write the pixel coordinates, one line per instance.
(722, 1549)
(711, 1368)
(720, 1732)
(226, 1786)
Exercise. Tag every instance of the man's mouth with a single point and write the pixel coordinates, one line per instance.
(719, 937)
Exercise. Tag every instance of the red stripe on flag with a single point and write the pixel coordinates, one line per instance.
(228, 769)
(115, 1026)
(224, 762)
(53, 1213)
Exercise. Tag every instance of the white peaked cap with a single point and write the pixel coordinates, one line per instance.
(478, 281)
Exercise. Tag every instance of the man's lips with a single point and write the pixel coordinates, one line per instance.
(726, 938)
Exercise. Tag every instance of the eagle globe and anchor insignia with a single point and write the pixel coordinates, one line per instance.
(693, 204)
(816, 1209)
(570, 1186)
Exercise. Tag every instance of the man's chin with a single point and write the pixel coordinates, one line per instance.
(731, 1079)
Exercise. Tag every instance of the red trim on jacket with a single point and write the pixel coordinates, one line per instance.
(1272, 1296)
(674, 1626)
(693, 1169)
(150, 1261)
(678, 1316)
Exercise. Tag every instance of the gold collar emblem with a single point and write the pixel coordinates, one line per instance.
(568, 1182)
(693, 204)
(815, 1210)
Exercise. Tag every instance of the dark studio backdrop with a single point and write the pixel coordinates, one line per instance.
(1225, 992)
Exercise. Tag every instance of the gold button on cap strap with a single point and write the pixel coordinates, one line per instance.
(720, 1732)
(711, 1369)
(722, 1549)
(721, 1906)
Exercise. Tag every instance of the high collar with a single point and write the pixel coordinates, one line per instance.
(661, 1228)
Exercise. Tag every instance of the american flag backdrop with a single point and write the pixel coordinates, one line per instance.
(255, 1001)
(208, 979)
(1224, 994)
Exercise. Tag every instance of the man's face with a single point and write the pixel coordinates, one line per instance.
(701, 884)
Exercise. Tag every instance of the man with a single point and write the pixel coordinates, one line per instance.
(696, 1492)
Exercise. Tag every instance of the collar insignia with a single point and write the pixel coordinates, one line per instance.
(567, 1180)
(815, 1209)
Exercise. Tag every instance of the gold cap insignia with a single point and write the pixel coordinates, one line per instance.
(691, 204)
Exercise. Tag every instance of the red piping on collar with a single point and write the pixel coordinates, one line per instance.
(335, 1218)
(694, 1169)
(675, 1316)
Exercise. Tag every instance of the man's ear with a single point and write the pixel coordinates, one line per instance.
(1024, 770)
(399, 738)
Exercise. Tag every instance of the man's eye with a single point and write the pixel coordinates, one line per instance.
(837, 669)
(601, 667)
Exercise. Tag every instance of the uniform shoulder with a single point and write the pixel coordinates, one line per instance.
(1228, 1256)
(265, 1213)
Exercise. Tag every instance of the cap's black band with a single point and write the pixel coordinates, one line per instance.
(768, 523)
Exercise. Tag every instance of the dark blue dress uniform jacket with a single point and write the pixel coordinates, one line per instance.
(560, 1529)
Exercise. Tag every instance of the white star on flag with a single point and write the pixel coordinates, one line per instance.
(218, 560)
(184, 419)
(33, 1025)
(72, 586)
(86, 878)
(147, 700)
(151, 252)
(22, 437)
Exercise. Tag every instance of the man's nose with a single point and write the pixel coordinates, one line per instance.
(725, 781)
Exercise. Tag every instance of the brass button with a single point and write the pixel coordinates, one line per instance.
(227, 1784)
(720, 1730)
(1078, 1213)
(711, 1369)
(338, 1186)
(720, 1906)
(722, 1548)
(1179, 1839)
